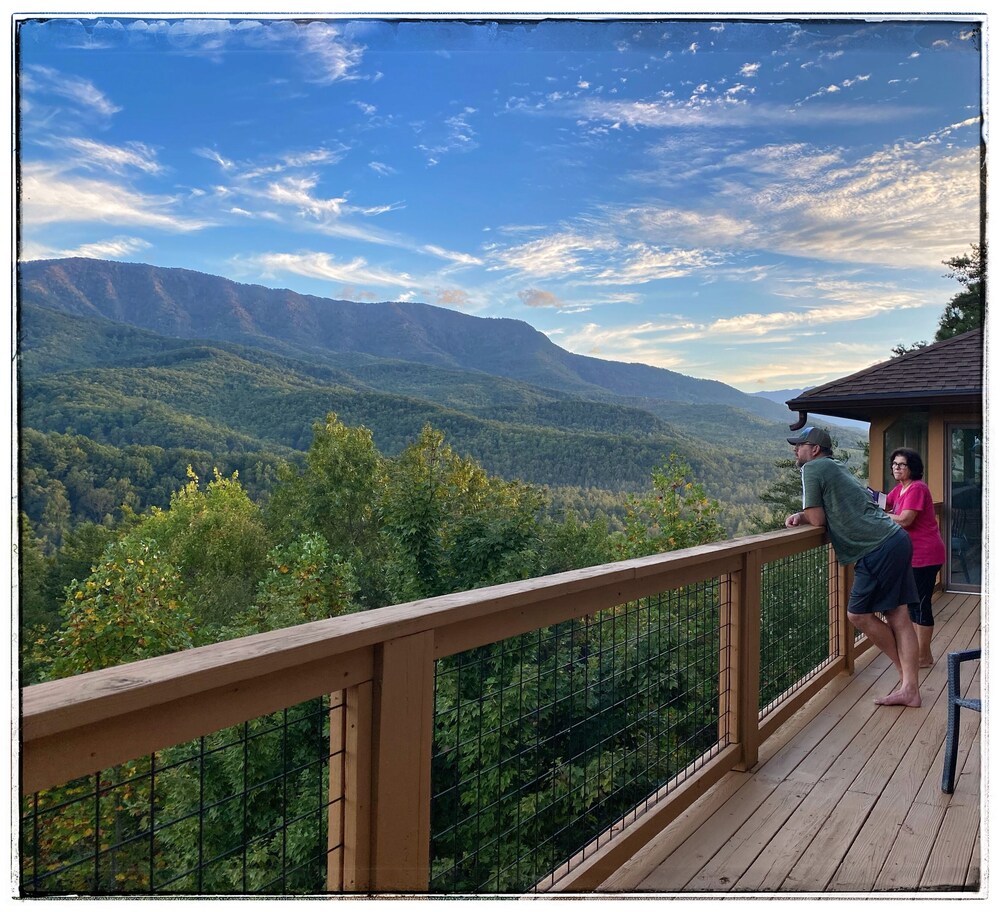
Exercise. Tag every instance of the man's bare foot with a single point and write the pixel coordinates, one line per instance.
(900, 698)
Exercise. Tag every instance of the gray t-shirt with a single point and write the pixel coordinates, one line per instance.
(854, 521)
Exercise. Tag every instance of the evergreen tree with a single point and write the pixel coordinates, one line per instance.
(965, 310)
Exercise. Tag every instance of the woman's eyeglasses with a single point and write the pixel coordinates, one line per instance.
(900, 465)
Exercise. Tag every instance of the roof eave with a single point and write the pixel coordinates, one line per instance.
(861, 407)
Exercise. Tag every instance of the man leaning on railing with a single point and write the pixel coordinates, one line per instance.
(880, 550)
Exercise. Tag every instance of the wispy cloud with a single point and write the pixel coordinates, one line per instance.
(298, 193)
(535, 297)
(291, 161)
(294, 199)
(458, 136)
(227, 164)
(560, 254)
(817, 361)
(331, 57)
(452, 297)
(323, 50)
(718, 111)
(640, 263)
(323, 266)
(325, 54)
(454, 256)
(823, 303)
(834, 88)
(134, 155)
(599, 253)
(641, 342)
(910, 204)
(42, 82)
(829, 302)
(48, 196)
(110, 249)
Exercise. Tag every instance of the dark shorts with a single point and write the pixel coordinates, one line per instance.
(883, 578)
(920, 611)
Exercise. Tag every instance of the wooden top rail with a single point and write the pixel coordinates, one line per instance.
(209, 687)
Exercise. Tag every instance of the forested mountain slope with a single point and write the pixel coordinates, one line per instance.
(181, 303)
(123, 387)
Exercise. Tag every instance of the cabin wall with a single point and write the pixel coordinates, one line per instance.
(936, 459)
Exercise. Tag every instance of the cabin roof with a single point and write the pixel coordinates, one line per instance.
(947, 373)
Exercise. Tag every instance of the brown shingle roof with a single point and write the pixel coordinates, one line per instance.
(945, 373)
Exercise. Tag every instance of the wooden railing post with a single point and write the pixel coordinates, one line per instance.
(747, 664)
(402, 744)
(357, 787)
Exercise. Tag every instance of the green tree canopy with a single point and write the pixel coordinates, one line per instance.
(216, 538)
(452, 525)
(336, 494)
(304, 582)
(966, 309)
(131, 607)
(675, 514)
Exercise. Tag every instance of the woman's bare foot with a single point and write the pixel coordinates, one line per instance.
(900, 698)
(926, 661)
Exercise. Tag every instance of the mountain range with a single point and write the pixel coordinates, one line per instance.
(180, 303)
(138, 355)
(784, 395)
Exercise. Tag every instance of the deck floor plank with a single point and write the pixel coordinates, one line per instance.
(911, 849)
(818, 864)
(921, 832)
(731, 862)
(813, 813)
(832, 772)
(667, 841)
(974, 877)
(954, 858)
(894, 776)
(673, 875)
(846, 797)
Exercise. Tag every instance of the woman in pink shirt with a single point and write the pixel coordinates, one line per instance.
(911, 505)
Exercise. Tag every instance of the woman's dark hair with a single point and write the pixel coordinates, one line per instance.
(913, 460)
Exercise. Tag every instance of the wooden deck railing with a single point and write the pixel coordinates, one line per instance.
(380, 665)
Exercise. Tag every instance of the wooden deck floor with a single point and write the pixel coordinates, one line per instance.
(846, 797)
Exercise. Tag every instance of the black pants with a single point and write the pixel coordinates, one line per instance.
(920, 612)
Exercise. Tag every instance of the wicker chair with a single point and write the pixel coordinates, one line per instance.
(955, 702)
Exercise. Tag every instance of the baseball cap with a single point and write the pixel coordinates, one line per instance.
(814, 436)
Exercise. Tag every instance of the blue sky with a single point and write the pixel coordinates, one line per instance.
(765, 203)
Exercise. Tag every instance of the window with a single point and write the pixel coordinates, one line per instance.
(910, 431)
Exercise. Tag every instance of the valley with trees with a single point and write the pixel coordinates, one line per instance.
(115, 419)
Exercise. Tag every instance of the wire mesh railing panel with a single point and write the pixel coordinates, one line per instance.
(240, 811)
(795, 632)
(543, 741)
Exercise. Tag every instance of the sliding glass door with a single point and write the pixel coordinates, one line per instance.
(964, 509)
